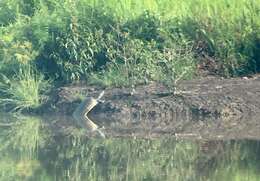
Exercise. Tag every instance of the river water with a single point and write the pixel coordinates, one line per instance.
(29, 150)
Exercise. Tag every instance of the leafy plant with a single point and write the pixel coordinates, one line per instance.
(83, 39)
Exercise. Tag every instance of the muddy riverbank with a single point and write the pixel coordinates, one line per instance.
(208, 107)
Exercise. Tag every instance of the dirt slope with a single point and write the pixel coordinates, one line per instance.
(204, 108)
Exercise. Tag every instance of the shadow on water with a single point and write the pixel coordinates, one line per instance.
(30, 151)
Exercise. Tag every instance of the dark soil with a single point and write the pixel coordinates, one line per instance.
(211, 108)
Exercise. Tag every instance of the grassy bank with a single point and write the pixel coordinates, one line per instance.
(124, 42)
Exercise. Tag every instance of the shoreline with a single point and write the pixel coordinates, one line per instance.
(209, 107)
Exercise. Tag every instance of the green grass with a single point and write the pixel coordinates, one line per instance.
(23, 91)
(226, 31)
(143, 63)
(126, 42)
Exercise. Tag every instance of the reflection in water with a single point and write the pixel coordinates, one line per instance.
(29, 151)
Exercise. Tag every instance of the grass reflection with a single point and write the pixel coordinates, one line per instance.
(24, 134)
(21, 137)
(29, 151)
(125, 159)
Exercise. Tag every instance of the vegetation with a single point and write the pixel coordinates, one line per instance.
(123, 43)
(22, 91)
(119, 43)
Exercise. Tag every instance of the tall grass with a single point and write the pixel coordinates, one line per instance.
(85, 39)
(142, 63)
(225, 32)
(23, 91)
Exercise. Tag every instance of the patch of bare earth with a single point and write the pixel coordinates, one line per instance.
(210, 108)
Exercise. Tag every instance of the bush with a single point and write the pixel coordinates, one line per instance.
(82, 40)
(135, 62)
(74, 52)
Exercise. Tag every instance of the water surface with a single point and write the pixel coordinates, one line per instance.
(29, 150)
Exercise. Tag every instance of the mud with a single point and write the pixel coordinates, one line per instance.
(208, 108)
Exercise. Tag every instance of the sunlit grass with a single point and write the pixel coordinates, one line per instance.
(226, 31)
(22, 91)
(178, 8)
(76, 36)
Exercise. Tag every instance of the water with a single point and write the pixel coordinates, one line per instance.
(29, 150)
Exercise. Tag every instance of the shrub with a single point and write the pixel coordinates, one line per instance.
(81, 39)
(79, 49)
(135, 62)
